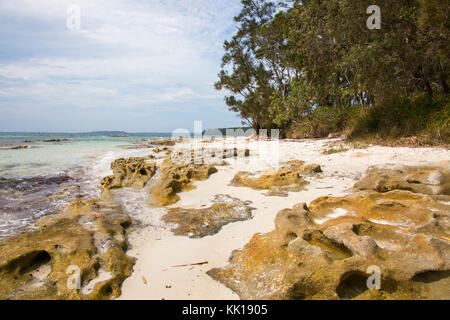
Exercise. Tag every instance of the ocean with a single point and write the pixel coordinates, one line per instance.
(40, 173)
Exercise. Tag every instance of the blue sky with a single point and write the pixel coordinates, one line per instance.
(135, 65)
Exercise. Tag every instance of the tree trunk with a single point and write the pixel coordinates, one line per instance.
(428, 88)
(444, 84)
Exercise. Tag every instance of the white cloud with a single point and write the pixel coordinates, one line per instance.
(128, 54)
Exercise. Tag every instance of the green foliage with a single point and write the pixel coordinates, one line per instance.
(334, 150)
(357, 145)
(311, 67)
(406, 116)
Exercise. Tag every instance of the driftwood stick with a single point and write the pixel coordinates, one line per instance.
(191, 264)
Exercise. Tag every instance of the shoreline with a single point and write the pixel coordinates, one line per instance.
(157, 249)
(167, 266)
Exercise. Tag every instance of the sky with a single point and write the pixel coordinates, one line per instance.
(131, 65)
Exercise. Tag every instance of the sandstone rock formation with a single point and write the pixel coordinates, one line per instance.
(129, 172)
(302, 168)
(19, 147)
(279, 183)
(89, 236)
(198, 223)
(329, 249)
(282, 178)
(402, 209)
(178, 177)
(183, 166)
(427, 180)
(163, 142)
(159, 150)
(55, 140)
(208, 155)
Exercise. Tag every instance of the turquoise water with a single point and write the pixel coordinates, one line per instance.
(50, 157)
(30, 176)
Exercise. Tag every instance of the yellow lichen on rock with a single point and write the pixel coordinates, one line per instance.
(198, 223)
(427, 180)
(278, 182)
(129, 172)
(284, 177)
(302, 168)
(399, 208)
(178, 177)
(89, 236)
(163, 142)
(277, 264)
(330, 249)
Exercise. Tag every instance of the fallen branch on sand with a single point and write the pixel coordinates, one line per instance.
(191, 264)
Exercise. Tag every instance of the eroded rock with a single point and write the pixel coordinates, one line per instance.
(55, 140)
(19, 147)
(163, 142)
(398, 208)
(89, 236)
(159, 150)
(427, 180)
(327, 251)
(129, 172)
(178, 177)
(280, 264)
(301, 260)
(277, 182)
(198, 223)
(303, 168)
(208, 155)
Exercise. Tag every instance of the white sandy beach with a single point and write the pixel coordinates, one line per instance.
(159, 251)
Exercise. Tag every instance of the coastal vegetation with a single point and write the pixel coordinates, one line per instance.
(313, 68)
